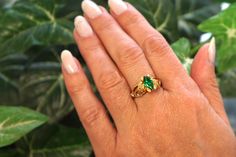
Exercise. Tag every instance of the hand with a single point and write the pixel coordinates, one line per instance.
(185, 117)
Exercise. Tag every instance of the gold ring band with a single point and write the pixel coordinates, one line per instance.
(146, 85)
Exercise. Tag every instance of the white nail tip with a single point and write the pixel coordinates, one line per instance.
(82, 26)
(69, 62)
(212, 50)
(118, 6)
(64, 54)
(91, 9)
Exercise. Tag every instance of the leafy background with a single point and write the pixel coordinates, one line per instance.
(37, 117)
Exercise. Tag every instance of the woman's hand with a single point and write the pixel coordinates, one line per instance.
(185, 117)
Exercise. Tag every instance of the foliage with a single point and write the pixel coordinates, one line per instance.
(16, 122)
(223, 26)
(62, 142)
(182, 49)
(37, 23)
(34, 32)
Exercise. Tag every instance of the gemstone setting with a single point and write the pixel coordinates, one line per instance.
(146, 85)
(148, 82)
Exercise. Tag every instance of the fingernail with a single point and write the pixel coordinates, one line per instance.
(82, 26)
(118, 6)
(91, 9)
(212, 50)
(68, 62)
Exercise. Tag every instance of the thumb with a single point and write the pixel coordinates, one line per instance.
(203, 73)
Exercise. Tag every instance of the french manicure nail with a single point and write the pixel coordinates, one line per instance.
(118, 6)
(91, 9)
(68, 62)
(212, 50)
(82, 26)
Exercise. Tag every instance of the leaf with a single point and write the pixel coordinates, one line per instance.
(50, 96)
(32, 22)
(223, 28)
(9, 153)
(230, 1)
(182, 49)
(191, 13)
(161, 14)
(8, 89)
(7, 3)
(230, 108)
(5, 64)
(6, 82)
(228, 83)
(60, 141)
(16, 122)
(174, 18)
(10, 69)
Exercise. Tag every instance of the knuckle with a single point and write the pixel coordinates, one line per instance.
(110, 80)
(132, 19)
(207, 80)
(76, 88)
(88, 49)
(105, 24)
(130, 55)
(91, 45)
(121, 153)
(155, 44)
(192, 99)
(213, 82)
(91, 115)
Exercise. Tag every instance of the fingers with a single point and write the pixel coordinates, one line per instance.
(127, 55)
(203, 73)
(111, 84)
(158, 52)
(91, 112)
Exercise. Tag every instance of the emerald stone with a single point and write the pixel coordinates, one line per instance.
(148, 83)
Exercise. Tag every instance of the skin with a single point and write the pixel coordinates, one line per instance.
(185, 117)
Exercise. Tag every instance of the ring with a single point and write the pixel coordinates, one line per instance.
(146, 85)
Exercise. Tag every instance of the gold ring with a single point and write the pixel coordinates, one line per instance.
(146, 85)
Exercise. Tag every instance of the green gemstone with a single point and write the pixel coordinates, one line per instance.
(148, 83)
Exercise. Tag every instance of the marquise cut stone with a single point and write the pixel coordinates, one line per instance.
(148, 83)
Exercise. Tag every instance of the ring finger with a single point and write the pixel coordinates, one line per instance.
(158, 52)
(125, 52)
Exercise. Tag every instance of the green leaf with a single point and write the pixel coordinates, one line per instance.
(191, 13)
(182, 49)
(50, 96)
(9, 153)
(8, 89)
(228, 83)
(7, 3)
(32, 22)
(16, 122)
(60, 141)
(161, 14)
(230, 1)
(223, 28)
(11, 67)
(6, 82)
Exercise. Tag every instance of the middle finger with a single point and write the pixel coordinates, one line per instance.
(125, 52)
